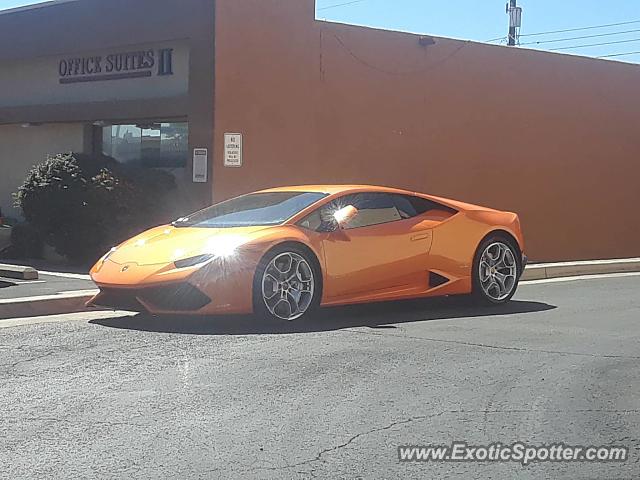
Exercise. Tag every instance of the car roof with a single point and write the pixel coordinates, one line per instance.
(335, 189)
(344, 189)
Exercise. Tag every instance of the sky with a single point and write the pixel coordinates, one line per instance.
(484, 20)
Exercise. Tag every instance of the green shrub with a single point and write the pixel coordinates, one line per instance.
(82, 205)
(26, 242)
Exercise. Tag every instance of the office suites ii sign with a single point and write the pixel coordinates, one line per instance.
(116, 66)
(117, 73)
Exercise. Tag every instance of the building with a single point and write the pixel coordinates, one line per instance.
(166, 83)
(133, 79)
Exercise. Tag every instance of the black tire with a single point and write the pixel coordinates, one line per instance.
(260, 307)
(480, 294)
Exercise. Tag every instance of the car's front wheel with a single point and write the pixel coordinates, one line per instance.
(496, 271)
(286, 285)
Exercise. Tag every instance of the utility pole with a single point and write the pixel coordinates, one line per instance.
(512, 27)
(515, 21)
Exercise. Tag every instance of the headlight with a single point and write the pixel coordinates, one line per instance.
(190, 262)
(100, 263)
(217, 247)
(108, 254)
(224, 246)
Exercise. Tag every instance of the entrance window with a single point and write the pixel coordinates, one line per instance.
(152, 145)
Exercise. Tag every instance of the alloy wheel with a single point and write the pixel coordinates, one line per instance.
(498, 271)
(288, 285)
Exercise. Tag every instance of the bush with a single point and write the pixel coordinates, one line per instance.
(82, 205)
(25, 243)
(27, 240)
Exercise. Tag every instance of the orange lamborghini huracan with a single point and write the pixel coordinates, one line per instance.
(282, 252)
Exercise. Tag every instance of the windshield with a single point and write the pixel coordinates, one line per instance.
(269, 208)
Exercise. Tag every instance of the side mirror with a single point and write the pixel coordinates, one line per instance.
(345, 215)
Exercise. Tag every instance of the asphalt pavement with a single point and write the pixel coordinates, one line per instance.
(111, 395)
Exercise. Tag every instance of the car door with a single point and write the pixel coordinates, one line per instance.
(382, 252)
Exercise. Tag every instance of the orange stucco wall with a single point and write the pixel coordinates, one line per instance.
(555, 138)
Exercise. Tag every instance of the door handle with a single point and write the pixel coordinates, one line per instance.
(421, 236)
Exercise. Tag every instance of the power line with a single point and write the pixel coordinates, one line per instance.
(568, 30)
(582, 37)
(596, 44)
(495, 39)
(341, 5)
(619, 54)
(581, 28)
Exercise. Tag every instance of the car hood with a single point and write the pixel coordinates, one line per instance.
(167, 243)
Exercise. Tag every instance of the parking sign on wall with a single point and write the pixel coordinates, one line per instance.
(232, 149)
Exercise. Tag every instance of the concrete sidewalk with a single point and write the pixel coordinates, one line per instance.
(51, 294)
(541, 271)
(45, 285)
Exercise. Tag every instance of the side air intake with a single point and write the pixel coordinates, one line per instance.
(435, 280)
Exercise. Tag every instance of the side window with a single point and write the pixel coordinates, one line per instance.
(422, 205)
(405, 206)
(312, 221)
(373, 209)
(412, 206)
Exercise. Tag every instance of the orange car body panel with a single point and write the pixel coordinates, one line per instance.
(373, 263)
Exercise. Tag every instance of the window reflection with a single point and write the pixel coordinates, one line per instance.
(152, 145)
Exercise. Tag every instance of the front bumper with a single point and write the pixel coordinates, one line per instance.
(219, 287)
(178, 297)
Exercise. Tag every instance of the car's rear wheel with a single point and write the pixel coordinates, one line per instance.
(286, 285)
(496, 271)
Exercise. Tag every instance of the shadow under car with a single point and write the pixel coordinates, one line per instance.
(373, 315)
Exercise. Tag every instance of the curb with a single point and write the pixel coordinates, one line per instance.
(68, 302)
(18, 272)
(542, 271)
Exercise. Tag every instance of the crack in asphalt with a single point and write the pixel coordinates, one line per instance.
(28, 360)
(352, 439)
(62, 350)
(505, 384)
(318, 457)
(87, 422)
(495, 347)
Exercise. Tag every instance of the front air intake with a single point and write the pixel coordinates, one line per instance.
(119, 299)
(182, 297)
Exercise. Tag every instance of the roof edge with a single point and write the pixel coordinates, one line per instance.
(35, 6)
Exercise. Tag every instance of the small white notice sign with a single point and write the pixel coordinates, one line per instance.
(232, 149)
(200, 163)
